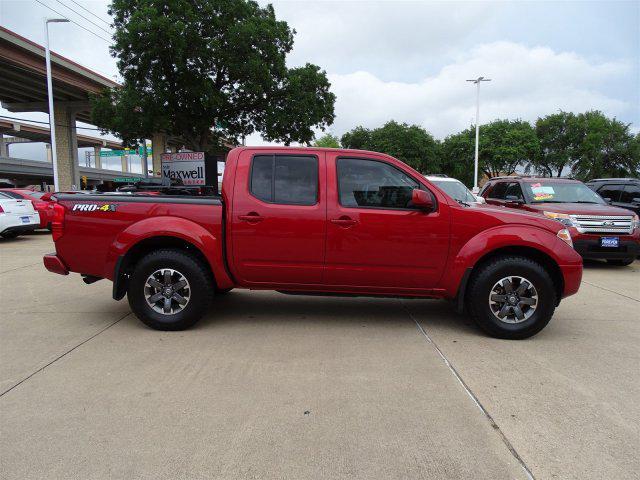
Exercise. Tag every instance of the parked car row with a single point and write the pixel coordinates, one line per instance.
(599, 230)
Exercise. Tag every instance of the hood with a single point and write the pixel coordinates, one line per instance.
(512, 215)
(579, 208)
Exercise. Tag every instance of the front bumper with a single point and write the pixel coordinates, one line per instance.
(53, 263)
(588, 246)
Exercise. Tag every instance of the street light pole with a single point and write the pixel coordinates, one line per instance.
(475, 170)
(52, 121)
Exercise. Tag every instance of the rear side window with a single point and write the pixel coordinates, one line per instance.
(611, 191)
(285, 179)
(513, 192)
(630, 192)
(373, 184)
(498, 191)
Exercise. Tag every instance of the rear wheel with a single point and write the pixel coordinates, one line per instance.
(511, 297)
(170, 290)
(621, 262)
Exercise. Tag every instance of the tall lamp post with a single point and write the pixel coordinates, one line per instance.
(52, 121)
(475, 171)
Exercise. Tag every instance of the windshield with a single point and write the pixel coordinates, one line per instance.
(456, 190)
(561, 192)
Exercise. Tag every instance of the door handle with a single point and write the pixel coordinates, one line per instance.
(344, 222)
(251, 217)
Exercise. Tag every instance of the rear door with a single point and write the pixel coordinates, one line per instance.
(278, 221)
(375, 237)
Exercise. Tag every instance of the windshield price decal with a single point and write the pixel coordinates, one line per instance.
(94, 207)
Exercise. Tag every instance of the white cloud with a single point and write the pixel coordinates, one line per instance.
(526, 83)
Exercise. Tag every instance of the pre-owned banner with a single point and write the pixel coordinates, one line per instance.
(186, 166)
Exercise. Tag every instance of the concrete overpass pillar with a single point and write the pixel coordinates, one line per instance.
(96, 154)
(66, 147)
(4, 148)
(158, 147)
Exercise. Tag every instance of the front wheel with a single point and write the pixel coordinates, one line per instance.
(621, 262)
(170, 290)
(511, 297)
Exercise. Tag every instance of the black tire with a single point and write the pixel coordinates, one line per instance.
(488, 275)
(200, 289)
(621, 262)
(222, 291)
(9, 235)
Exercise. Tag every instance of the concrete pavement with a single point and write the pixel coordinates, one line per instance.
(272, 386)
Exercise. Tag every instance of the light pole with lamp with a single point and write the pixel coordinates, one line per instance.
(475, 170)
(52, 121)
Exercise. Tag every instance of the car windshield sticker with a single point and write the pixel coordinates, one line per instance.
(542, 192)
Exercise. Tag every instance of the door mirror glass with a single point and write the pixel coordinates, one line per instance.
(421, 200)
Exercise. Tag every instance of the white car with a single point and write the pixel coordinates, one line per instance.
(455, 189)
(17, 216)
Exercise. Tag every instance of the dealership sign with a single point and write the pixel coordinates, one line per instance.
(186, 166)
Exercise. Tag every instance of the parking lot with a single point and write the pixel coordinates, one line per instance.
(294, 387)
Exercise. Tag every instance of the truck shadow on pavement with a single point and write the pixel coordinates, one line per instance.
(279, 309)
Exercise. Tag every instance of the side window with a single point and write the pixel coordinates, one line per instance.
(630, 192)
(513, 192)
(498, 191)
(285, 179)
(611, 191)
(373, 184)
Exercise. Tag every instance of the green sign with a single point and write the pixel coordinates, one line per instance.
(122, 153)
(127, 179)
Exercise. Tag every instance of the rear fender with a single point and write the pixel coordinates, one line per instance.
(165, 226)
(494, 239)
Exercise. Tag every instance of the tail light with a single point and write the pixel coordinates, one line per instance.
(1, 210)
(57, 223)
(33, 203)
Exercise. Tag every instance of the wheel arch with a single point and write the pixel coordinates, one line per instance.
(533, 243)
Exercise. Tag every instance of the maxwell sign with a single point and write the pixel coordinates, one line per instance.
(186, 166)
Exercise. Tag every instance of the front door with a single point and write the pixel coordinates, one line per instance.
(375, 237)
(279, 218)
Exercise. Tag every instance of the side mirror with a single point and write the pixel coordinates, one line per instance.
(607, 199)
(421, 200)
(480, 199)
(513, 201)
(635, 200)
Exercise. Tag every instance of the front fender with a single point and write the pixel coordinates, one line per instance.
(499, 237)
(167, 226)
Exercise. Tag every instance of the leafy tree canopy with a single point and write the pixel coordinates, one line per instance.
(605, 148)
(410, 143)
(559, 139)
(327, 141)
(208, 70)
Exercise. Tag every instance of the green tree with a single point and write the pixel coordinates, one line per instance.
(606, 148)
(558, 135)
(505, 145)
(410, 143)
(327, 141)
(208, 71)
(457, 156)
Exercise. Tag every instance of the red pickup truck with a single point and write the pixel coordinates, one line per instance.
(317, 221)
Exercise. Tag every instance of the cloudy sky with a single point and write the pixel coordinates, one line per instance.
(408, 61)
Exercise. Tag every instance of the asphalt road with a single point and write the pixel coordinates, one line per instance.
(270, 386)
